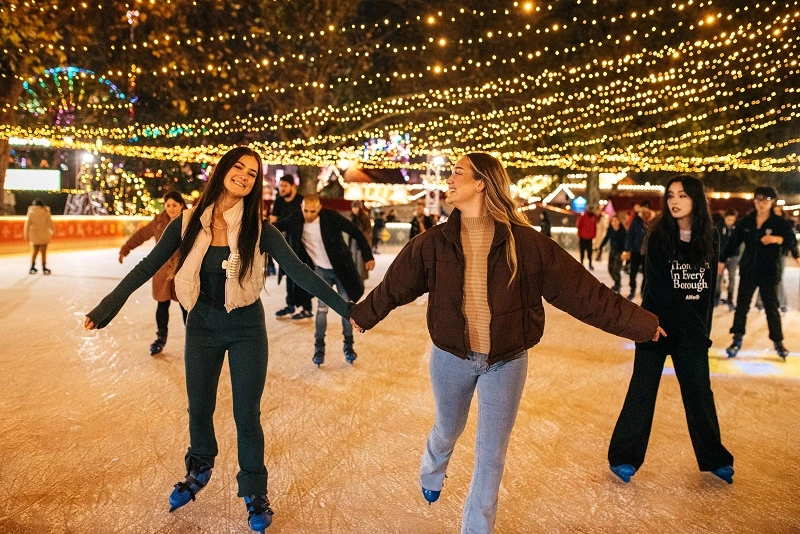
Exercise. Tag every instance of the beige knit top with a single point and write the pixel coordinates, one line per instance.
(476, 239)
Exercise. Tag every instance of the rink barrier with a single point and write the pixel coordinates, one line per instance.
(73, 232)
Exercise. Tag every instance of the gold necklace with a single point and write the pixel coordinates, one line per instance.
(219, 227)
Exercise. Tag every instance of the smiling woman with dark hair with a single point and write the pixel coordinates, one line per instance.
(218, 278)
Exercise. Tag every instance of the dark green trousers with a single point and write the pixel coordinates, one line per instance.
(210, 332)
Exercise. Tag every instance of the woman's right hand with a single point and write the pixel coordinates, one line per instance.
(659, 333)
(352, 322)
(88, 324)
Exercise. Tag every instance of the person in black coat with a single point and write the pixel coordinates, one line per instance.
(316, 237)
(765, 237)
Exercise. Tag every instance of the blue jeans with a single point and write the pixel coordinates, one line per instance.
(321, 319)
(499, 391)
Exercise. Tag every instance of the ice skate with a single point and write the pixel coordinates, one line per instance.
(781, 349)
(736, 345)
(725, 473)
(33, 270)
(349, 353)
(319, 353)
(623, 471)
(158, 345)
(185, 491)
(285, 313)
(260, 514)
(45, 270)
(431, 495)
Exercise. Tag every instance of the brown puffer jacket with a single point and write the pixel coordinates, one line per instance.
(163, 286)
(433, 262)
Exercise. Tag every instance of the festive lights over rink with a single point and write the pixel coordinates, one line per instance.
(722, 96)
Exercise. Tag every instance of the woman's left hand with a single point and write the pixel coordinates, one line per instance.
(659, 332)
(352, 322)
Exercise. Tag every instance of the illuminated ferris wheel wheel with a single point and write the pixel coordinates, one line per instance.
(72, 96)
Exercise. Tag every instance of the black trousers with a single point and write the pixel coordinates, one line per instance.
(632, 432)
(769, 297)
(162, 315)
(636, 264)
(585, 246)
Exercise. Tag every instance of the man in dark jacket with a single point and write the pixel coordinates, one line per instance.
(765, 237)
(288, 202)
(316, 238)
(633, 244)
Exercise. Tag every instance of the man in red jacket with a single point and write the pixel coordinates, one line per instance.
(587, 230)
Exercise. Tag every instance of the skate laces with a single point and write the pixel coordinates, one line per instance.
(196, 479)
(258, 505)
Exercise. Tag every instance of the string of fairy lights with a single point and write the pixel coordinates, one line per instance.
(689, 83)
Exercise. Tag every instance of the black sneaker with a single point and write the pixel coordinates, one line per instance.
(285, 313)
(302, 314)
(782, 351)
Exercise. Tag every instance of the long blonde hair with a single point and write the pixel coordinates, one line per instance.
(499, 203)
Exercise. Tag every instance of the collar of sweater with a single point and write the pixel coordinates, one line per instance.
(232, 216)
(452, 229)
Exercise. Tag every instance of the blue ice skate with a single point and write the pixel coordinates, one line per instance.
(259, 512)
(725, 473)
(185, 491)
(623, 471)
(431, 495)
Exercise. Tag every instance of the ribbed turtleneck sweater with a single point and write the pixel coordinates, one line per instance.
(476, 239)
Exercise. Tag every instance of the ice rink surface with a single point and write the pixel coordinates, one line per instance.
(94, 429)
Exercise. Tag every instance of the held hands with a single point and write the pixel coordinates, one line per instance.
(659, 332)
(88, 324)
(352, 322)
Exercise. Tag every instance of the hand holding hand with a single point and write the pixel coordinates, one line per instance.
(352, 322)
(659, 332)
(369, 265)
(88, 324)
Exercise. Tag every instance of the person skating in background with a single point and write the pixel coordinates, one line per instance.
(287, 202)
(681, 251)
(315, 235)
(783, 301)
(359, 215)
(633, 244)
(219, 277)
(615, 237)
(38, 230)
(587, 230)
(731, 264)
(420, 222)
(377, 230)
(765, 237)
(163, 286)
(544, 224)
(486, 271)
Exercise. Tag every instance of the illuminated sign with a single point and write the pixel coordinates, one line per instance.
(33, 180)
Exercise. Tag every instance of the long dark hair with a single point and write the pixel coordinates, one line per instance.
(666, 232)
(252, 216)
(177, 197)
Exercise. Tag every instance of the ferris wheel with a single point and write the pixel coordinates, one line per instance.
(73, 96)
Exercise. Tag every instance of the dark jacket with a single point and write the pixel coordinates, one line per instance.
(635, 238)
(616, 238)
(331, 225)
(427, 222)
(761, 263)
(681, 294)
(433, 263)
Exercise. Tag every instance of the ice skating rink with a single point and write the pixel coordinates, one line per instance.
(93, 429)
